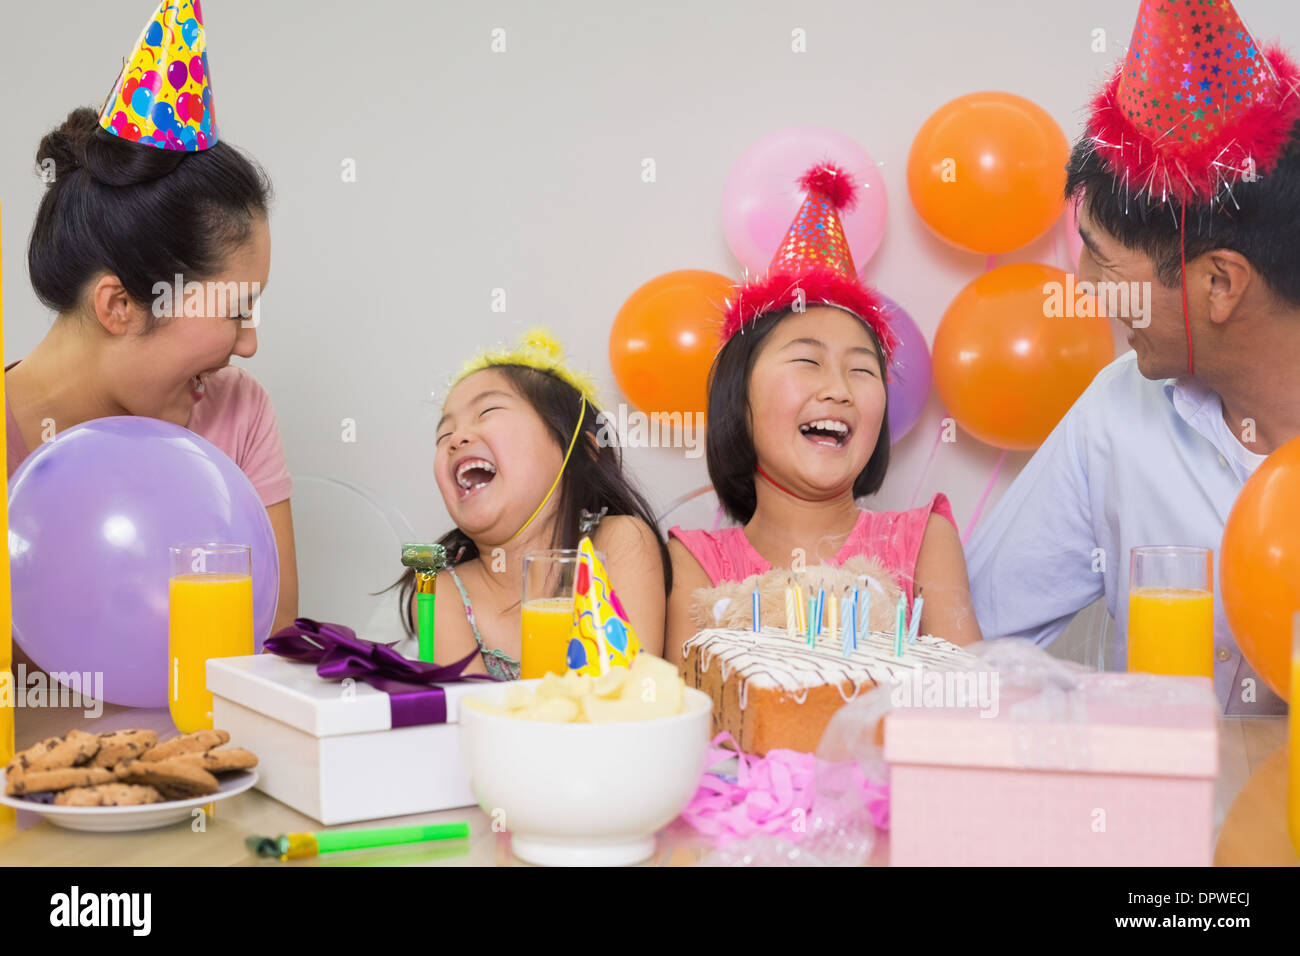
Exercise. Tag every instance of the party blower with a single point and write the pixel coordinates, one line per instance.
(298, 846)
(427, 560)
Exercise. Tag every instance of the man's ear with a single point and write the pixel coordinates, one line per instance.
(1229, 274)
(113, 306)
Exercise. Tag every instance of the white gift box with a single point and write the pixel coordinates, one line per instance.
(328, 748)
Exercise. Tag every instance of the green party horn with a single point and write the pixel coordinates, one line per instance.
(427, 560)
(297, 846)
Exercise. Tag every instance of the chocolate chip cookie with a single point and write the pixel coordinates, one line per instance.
(174, 779)
(196, 743)
(220, 760)
(108, 795)
(55, 753)
(116, 746)
(19, 782)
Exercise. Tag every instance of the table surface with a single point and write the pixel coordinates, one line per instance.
(1249, 818)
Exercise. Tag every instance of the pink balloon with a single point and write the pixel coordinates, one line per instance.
(762, 193)
(1073, 242)
(196, 62)
(152, 81)
(189, 107)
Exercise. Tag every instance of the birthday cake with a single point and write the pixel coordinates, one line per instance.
(774, 690)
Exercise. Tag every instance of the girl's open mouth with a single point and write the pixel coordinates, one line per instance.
(829, 432)
(473, 474)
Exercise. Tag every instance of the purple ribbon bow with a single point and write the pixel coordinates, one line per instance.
(337, 653)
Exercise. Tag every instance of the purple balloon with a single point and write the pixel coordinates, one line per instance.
(92, 515)
(177, 73)
(909, 372)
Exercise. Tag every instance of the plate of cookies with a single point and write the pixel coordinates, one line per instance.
(126, 779)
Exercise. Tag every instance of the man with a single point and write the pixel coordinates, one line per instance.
(1188, 182)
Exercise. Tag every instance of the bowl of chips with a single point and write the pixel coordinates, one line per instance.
(585, 770)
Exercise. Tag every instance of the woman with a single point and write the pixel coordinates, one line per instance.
(118, 218)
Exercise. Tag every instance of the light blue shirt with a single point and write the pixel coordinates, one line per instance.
(1134, 462)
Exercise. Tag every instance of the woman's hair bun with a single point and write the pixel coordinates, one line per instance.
(81, 143)
(66, 145)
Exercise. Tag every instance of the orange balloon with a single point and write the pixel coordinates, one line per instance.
(987, 172)
(1007, 364)
(664, 339)
(1259, 566)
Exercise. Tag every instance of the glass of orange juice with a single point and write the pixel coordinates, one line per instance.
(210, 614)
(547, 611)
(1171, 611)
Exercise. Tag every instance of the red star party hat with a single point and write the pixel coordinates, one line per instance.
(1196, 106)
(814, 259)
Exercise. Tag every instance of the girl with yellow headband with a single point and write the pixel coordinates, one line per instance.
(521, 468)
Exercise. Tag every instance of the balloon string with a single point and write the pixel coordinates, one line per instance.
(979, 505)
(717, 518)
(938, 437)
(989, 263)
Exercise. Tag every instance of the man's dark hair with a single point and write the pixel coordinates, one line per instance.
(1260, 219)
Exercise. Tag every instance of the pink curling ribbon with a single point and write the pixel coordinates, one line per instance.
(772, 795)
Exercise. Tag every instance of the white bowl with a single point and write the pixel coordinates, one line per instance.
(584, 794)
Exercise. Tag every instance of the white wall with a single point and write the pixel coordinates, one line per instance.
(521, 170)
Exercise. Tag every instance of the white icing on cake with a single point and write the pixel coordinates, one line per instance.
(772, 658)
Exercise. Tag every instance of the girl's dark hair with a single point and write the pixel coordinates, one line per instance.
(137, 212)
(1258, 219)
(593, 479)
(729, 444)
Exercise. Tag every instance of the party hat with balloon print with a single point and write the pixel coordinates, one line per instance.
(602, 636)
(813, 265)
(1196, 106)
(163, 96)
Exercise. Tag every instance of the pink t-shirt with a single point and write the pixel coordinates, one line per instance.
(891, 537)
(235, 414)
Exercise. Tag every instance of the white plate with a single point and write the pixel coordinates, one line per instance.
(146, 816)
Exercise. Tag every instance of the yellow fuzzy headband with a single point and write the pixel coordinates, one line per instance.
(537, 349)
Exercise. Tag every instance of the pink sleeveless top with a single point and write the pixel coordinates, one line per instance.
(891, 537)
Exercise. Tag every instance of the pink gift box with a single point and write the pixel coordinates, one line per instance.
(1118, 772)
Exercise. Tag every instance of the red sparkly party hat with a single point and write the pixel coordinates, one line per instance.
(1196, 106)
(814, 259)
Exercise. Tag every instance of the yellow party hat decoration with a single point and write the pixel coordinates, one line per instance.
(537, 349)
(602, 635)
(163, 96)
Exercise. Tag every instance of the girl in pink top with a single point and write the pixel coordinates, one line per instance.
(118, 222)
(798, 431)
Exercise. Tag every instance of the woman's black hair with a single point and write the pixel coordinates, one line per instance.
(137, 212)
(1257, 219)
(729, 443)
(593, 479)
